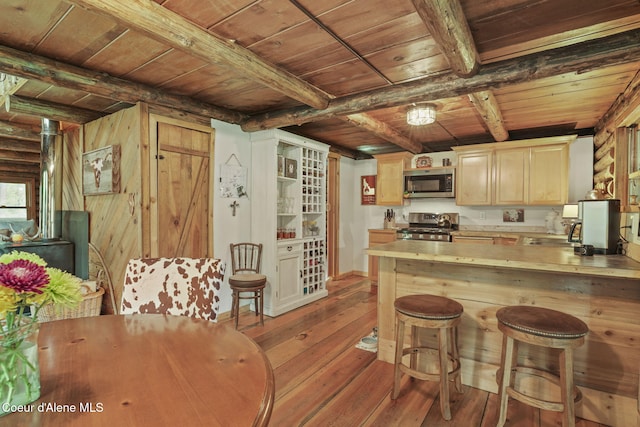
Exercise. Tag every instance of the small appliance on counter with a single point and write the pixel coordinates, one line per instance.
(598, 225)
(429, 226)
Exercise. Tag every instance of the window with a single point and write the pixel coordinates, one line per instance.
(15, 200)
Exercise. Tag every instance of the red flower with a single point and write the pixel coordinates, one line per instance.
(22, 275)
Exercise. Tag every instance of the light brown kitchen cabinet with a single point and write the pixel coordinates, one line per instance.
(474, 181)
(528, 172)
(512, 173)
(378, 237)
(532, 176)
(390, 181)
(549, 175)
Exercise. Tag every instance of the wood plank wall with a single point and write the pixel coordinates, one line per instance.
(119, 224)
(72, 169)
(611, 151)
(611, 141)
(114, 219)
(605, 367)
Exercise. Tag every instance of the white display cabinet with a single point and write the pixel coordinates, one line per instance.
(288, 216)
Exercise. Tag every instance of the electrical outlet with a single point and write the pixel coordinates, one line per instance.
(483, 215)
(634, 220)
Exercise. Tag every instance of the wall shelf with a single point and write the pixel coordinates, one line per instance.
(289, 216)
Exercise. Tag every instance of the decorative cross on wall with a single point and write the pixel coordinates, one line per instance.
(233, 206)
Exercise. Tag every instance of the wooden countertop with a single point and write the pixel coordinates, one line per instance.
(540, 258)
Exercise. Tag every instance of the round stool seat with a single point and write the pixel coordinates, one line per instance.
(247, 280)
(542, 322)
(428, 307)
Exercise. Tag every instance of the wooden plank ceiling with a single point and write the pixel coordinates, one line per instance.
(340, 71)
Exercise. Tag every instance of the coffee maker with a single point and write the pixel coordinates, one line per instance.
(598, 225)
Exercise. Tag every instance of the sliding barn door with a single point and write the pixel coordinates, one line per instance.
(184, 196)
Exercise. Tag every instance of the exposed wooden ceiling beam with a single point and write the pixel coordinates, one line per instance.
(50, 110)
(19, 156)
(487, 105)
(14, 130)
(622, 48)
(17, 145)
(623, 107)
(72, 77)
(164, 25)
(9, 85)
(23, 64)
(384, 131)
(18, 168)
(448, 25)
(346, 152)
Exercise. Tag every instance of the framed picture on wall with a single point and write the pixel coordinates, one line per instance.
(290, 168)
(368, 189)
(101, 171)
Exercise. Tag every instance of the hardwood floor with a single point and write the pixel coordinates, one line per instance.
(323, 380)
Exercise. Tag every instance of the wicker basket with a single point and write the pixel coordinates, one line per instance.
(89, 306)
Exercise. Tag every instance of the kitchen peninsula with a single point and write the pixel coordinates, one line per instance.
(602, 290)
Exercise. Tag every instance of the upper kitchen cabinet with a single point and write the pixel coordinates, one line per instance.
(527, 172)
(549, 174)
(390, 180)
(474, 177)
(512, 172)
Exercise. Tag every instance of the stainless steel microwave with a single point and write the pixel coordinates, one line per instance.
(423, 183)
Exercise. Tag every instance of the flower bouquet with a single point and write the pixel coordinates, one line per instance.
(26, 284)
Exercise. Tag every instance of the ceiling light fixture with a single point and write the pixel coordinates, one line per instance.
(420, 115)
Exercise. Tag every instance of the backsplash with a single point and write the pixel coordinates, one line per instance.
(505, 228)
(480, 216)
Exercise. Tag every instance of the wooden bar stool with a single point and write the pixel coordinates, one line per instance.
(432, 312)
(546, 328)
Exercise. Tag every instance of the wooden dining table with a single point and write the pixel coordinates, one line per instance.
(148, 370)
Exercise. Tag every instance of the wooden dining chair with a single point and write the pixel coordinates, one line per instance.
(245, 277)
(176, 286)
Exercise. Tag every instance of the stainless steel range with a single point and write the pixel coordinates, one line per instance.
(429, 226)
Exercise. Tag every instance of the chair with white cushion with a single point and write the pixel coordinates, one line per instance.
(175, 286)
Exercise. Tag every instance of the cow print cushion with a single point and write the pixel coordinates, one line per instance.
(175, 286)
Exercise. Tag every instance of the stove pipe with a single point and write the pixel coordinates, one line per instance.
(50, 178)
